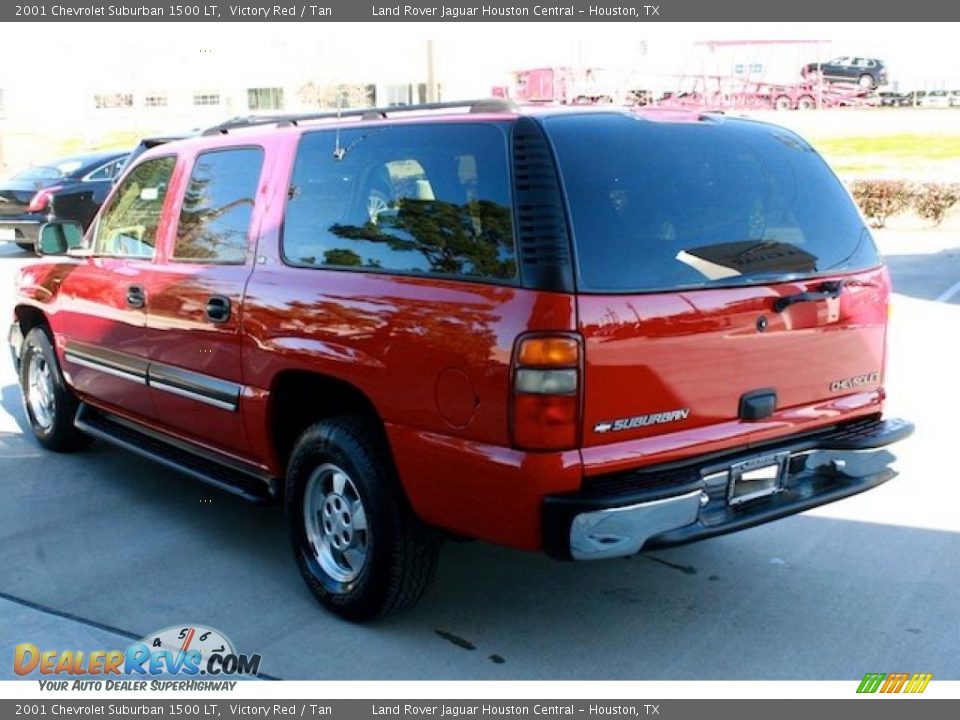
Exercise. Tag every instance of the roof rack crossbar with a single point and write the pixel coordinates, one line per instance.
(484, 105)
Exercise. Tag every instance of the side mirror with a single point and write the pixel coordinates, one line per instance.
(57, 238)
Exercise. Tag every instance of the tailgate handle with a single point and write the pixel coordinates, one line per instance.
(758, 404)
(830, 289)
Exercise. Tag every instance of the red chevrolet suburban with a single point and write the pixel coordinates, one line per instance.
(581, 331)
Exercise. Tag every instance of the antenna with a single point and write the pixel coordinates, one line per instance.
(338, 151)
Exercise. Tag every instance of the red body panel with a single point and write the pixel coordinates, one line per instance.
(433, 358)
(482, 491)
(182, 336)
(702, 350)
(673, 446)
(93, 310)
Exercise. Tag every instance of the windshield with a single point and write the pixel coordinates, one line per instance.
(668, 205)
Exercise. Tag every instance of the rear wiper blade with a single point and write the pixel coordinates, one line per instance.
(830, 289)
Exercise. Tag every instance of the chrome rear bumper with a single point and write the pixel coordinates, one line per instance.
(624, 530)
(676, 506)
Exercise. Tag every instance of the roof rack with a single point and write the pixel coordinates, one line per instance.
(483, 105)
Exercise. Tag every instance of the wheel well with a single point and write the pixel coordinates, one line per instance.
(29, 318)
(299, 399)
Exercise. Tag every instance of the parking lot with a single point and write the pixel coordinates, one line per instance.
(103, 546)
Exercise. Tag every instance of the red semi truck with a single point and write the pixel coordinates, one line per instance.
(569, 86)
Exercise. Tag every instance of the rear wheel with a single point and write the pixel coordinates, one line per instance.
(359, 547)
(806, 103)
(50, 405)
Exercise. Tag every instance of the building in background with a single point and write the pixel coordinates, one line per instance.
(142, 90)
(134, 79)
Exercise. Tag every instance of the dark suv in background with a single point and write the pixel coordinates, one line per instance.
(865, 72)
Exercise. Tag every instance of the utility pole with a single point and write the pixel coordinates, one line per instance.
(431, 74)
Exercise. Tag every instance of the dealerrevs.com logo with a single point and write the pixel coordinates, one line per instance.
(188, 652)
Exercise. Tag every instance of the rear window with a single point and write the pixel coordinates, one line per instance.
(63, 169)
(423, 199)
(661, 206)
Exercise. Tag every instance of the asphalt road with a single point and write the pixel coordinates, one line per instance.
(103, 546)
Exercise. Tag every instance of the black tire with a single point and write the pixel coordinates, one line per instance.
(806, 103)
(866, 81)
(57, 431)
(783, 102)
(400, 552)
(27, 247)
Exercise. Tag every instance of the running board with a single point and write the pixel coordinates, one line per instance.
(177, 455)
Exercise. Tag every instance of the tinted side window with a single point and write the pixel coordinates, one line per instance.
(128, 225)
(431, 199)
(108, 171)
(215, 218)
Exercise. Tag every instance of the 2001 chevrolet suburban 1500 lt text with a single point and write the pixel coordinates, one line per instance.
(581, 331)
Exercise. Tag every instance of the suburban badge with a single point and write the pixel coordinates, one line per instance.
(642, 421)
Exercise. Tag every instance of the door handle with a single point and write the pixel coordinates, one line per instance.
(218, 308)
(136, 296)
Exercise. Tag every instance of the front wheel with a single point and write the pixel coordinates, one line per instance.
(359, 547)
(27, 247)
(50, 405)
(865, 81)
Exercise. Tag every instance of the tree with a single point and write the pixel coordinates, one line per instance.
(455, 239)
(342, 95)
(342, 257)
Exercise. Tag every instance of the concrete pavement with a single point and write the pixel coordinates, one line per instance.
(101, 546)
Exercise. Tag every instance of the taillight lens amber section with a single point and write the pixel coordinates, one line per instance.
(548, 352)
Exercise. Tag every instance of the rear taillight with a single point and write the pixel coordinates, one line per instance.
(41, 200)
(546, 392)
